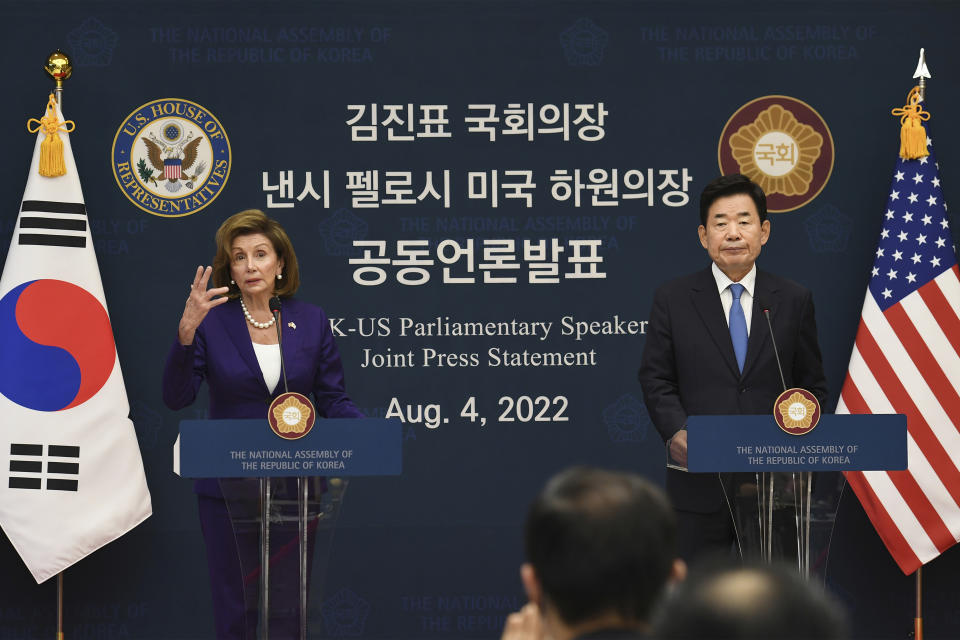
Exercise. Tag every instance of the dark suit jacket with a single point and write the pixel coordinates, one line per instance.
(689, 367)
(222, 354)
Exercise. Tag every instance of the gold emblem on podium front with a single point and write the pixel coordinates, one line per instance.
(796, 411)
(291, 416)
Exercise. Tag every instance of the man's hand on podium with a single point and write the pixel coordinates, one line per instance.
(678, 448)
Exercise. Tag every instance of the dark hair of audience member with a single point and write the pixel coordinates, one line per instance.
(601, 541)
(731, 185)
(722, 601)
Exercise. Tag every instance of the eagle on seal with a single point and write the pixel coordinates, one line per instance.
(159, 155)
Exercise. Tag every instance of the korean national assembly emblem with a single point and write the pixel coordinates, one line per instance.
(171, 157)
(796, 411)
(783, 145)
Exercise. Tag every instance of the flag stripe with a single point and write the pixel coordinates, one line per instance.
(949, 283)
(896, 395)
(852, 401)
(49, 206)
(24, 483)
(26, 449)
(918, 352)
(63, 451)
(28, 466)
(944, 310)
(862, 378)
(903, 554)
(65, 224)
(935, 493)
(56, 484)
(63, 467)
(923, 510)
(52, 240)
(930, 330)
(894, 504)
(897, 374)
(884, 496)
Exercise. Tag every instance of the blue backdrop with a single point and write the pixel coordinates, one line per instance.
(472, 140)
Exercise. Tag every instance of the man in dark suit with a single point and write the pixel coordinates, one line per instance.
(708, 351)
(601, 548)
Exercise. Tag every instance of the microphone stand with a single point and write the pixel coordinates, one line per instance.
(264, 558)
(302, 487)
(265, 508)
(802, 487)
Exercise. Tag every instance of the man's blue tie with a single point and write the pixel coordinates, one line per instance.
(738, 325)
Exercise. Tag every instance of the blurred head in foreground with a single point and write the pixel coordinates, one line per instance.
(750, 602)
(601, 547)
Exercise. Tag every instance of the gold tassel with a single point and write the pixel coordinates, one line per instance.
(52, 164)
(51, 156)
(913, 136)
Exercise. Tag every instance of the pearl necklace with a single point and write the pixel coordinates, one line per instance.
(258, 325)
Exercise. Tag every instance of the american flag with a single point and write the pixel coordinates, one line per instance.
(907, 360)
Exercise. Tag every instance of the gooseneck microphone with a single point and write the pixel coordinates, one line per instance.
(776, 351)
(275, 310)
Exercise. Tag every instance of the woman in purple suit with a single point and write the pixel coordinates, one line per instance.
(227, 336)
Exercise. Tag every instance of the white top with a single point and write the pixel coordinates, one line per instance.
(268, 355)
(726, 296)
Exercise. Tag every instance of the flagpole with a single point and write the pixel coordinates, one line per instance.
(922, 73)
(918, 620)
(59, 68)
(60, 606)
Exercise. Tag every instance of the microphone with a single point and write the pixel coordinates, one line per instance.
(776, 352)
(275, 310)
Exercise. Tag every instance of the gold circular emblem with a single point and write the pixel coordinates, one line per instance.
(796, 411)
(783, 145)
(291, 416)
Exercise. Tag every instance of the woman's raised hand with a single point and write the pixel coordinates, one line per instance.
(199, 303)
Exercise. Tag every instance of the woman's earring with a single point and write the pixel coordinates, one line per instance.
(279, 276)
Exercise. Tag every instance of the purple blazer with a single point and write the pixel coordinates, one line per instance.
(222, 354)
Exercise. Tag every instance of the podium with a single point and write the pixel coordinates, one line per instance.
(754, 444)
(256, 469)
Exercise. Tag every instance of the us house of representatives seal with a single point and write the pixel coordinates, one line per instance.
(171, 157)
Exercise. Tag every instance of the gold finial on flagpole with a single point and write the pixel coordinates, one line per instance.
(52, 164)
(58, 67)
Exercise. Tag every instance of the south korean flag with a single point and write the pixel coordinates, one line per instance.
(71, 478)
